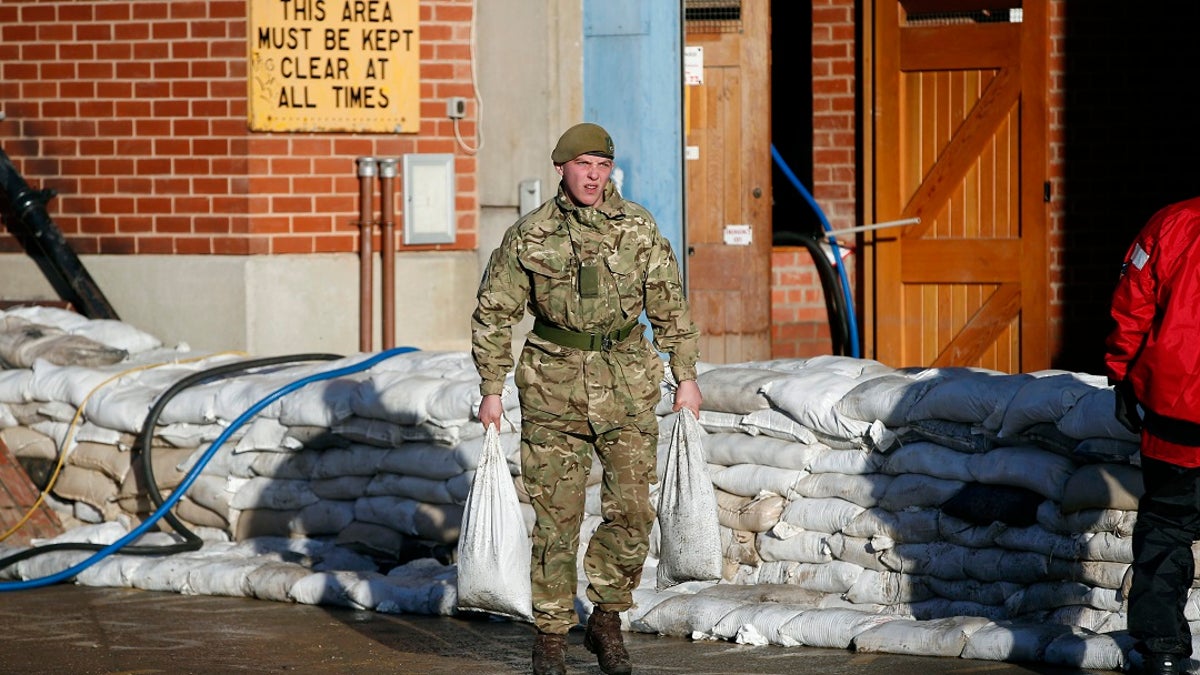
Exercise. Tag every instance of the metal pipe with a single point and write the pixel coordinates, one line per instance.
(366, 222)
(387, 244)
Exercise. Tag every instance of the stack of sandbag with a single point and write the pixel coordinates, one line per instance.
(951, 499)
(939, 511)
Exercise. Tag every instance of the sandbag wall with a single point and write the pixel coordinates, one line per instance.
(844, 485)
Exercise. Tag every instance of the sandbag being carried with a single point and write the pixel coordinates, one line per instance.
(690, 544)
(494, 549)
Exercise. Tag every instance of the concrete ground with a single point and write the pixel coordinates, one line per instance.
(84, 630)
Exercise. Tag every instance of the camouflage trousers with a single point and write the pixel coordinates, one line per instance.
(554, 466)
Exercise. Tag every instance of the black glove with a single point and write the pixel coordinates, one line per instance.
(1127, 406)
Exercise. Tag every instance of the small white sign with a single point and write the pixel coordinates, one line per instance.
(691, 152)
(693, 65)
(738, 235)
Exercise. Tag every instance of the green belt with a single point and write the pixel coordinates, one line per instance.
(592, 342)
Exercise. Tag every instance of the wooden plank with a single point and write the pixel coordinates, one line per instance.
(967, 46)
(961, 261)
(983, 329)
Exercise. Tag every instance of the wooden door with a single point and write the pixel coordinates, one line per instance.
(959, 143)
(728, 167)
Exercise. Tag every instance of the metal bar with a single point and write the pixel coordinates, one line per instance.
(366, 230)
(876, 226)
(387, 243)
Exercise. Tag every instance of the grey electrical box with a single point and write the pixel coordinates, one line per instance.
(529, 195)
(456, 107)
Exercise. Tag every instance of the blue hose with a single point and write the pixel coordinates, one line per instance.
(850, 320)
(194, 473)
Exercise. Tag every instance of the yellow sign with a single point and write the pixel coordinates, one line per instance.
(334, 65)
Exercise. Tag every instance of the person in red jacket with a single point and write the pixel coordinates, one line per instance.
(1153, 362)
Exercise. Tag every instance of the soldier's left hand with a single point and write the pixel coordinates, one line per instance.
(687, 395)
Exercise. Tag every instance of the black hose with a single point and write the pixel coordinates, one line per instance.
(835, 305)
(191, 541)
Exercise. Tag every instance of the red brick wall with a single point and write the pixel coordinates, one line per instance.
(799, 319)
(135, 113)
(1055, 225)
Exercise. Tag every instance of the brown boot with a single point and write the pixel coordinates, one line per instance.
(603, 638)
(550, 654)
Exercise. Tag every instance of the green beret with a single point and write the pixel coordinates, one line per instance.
(582, 139)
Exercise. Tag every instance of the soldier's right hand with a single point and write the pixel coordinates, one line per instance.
(491, 408)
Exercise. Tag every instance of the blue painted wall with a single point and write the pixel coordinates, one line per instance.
(633, 87)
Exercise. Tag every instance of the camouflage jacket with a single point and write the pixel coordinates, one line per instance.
(536, 268)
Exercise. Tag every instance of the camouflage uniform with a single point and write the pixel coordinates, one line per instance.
(576, 400)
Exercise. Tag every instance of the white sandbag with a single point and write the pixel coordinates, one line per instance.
(421, 587)
(1092, 416)
(730, 449)
(830, 627)
(735, 389)
(1032, 468)
(1053, 518)
(356, 460)
(974, 396)
(887, 588)
(823, 514)
(855, 550)
(494, 549)
(1102, 486)
(766, 618)
(272, 493)
(1044, 396)
(388, 434)
(852, 461)
(341, 487)
(323, 517)
(423, 460)
(777, 424)
(411, 487)
(15, 385)
(914, 490)
(456, 401)
(811, 398)
(753, 514)
(1037, 538)
(1108, 547)
(1048, 595)
(689, 546)
(864, 490)
(917, 526)
(686, 615)
(887, 398)
(330, 588)
(749, 480)
(836, 576)
(929, 459)
(113, 571)
(934, 637)
(1011, 641)
(984, 592)
(321, 403)
(806, 547)
(272, 579)
(399, 397)
(295, 465)
(1084, 649)
(227, 575)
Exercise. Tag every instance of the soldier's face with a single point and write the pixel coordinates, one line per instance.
(585, 178)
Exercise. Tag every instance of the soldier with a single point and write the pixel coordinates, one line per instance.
(586, 264)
